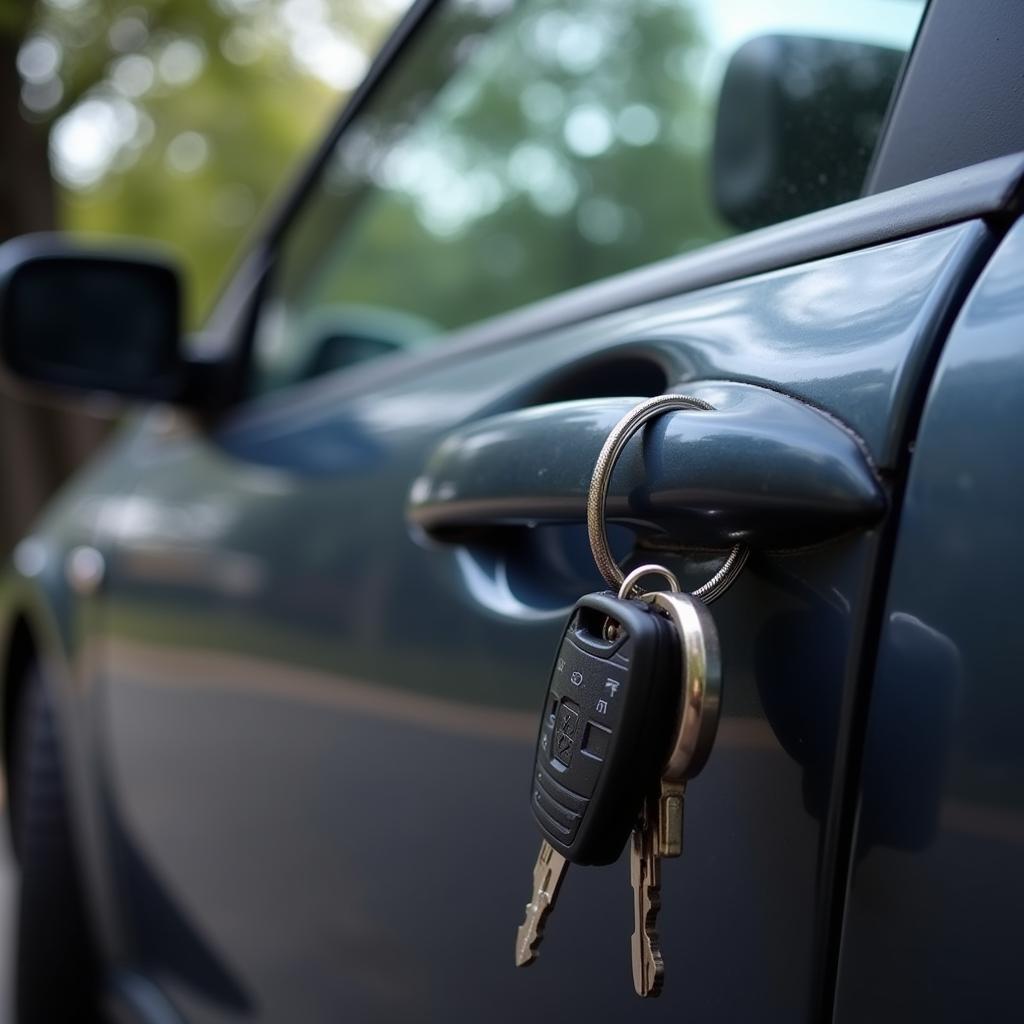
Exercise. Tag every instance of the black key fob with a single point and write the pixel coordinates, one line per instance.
(608, 721)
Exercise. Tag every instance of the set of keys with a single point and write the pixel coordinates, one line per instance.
(629, 718)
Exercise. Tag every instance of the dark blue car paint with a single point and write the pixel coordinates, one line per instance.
(292, 705)
(933, 926)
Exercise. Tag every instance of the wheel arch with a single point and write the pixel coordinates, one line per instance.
(31, 633)
(21, 650)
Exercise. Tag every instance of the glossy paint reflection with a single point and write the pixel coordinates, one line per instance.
(835, 333)
(937, 893)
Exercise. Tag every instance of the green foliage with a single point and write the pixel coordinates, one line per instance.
(572, 142)
(14, 17)
(175, 120)
(581, 196)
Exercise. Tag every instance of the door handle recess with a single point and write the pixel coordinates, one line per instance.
(761, 468)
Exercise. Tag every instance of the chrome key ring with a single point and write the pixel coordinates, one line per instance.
(597, 498)
(629, 581)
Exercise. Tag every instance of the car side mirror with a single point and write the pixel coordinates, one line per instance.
(797, 125)
(94, 320)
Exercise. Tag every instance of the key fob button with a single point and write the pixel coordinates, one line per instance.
(564, 820)
(592, 683)
(567, 725)
(565, 797)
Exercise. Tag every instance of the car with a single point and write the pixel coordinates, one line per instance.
(273, 663)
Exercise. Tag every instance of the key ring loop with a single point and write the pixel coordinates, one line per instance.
(597, 496)
(628, 584)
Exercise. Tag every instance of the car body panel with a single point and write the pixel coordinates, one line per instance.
(937, 890)
(316, 726)
(64, 629)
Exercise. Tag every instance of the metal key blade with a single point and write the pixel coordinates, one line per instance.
(645, 874)
(671, 804)
(548, 873)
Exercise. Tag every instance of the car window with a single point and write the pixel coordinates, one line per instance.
(516, 151)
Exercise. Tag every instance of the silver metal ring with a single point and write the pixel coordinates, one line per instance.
(597, 496)
(647, 570)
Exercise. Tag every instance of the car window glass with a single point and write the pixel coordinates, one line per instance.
(514, 152)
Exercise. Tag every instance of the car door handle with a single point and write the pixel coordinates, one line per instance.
(761, 467)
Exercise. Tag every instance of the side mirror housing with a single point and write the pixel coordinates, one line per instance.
(797, 125)
(92, 320)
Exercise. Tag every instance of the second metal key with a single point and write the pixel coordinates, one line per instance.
(659, 829)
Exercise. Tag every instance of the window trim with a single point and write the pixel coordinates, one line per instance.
(958, 100)
(294, 195)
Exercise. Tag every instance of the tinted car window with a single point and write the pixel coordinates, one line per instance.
(518, 151)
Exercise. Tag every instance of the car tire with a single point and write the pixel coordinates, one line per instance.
(55, 968)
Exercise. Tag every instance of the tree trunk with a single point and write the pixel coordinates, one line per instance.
(26, 190)
(39, 446)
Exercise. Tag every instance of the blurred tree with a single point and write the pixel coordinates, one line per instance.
(570, 142)
(171, 119)
(559, 156)
(164, 119)
(26, 203)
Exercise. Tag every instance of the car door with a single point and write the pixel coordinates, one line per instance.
(329, 615)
